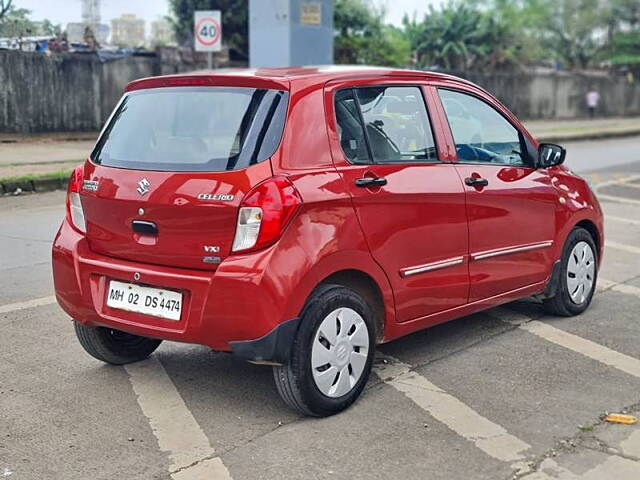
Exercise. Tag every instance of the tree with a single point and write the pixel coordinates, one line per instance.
(16, 23)
(624, 51)
(5, 6)
(448, 37)
(50, 29)
(573, 31)
(463, 36)
(235, 19)
(625, 13)
(362, 37)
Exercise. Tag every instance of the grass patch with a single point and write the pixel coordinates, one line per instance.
(57, 175)
(585, 428)
(61, 162)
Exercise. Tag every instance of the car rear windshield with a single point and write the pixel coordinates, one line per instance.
(196, 129)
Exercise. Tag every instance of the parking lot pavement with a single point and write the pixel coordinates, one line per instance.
(508, 393)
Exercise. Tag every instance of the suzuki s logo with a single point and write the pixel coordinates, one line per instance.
(143, 187)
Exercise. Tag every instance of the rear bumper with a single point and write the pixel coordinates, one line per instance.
(237, 306)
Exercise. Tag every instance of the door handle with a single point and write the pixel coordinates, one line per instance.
(371, 182)
(144, 227)
(476, 182)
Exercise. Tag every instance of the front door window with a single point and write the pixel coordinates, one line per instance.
(481, 134)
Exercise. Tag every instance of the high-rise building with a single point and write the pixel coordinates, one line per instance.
(90, 15)
(127, 31)
(161, 33)
(91, 12)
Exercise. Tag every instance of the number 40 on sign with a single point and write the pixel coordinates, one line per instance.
(207, 31)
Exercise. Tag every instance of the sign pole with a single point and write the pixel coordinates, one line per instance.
(209, 60)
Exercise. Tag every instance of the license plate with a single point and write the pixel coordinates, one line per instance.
(150, 301)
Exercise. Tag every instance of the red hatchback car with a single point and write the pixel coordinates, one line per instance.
(299, 217)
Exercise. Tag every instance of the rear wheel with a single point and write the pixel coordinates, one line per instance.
(578, 275)
(113, 346)
(332, 353)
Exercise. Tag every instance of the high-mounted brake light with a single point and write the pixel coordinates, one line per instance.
(264, 213)
(74, 207)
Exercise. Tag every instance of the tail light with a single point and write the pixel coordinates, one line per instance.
(264, 213)
(74, 207)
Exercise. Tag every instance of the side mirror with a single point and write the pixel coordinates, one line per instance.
(550, 154)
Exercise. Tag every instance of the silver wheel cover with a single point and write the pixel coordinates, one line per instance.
(339, 352)
(581, 271)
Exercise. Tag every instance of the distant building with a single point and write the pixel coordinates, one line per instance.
(161, 33)
(127, 31)
(91, 12)
(75, 32)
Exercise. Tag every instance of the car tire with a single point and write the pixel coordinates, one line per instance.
(332, 353)
(113, 346)
(578, 276)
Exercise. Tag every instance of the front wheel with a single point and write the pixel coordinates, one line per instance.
(332, 353)
(113, 346)
(578, 275)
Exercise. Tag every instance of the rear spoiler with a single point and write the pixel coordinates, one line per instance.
(208, 80)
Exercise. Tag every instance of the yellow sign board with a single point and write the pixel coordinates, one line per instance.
(311, 13)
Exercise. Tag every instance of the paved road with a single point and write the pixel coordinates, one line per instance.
(510, 392)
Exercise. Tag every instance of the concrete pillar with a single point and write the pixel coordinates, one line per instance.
(284, 33)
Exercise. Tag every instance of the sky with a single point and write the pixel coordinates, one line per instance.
(397, 8)
(65, 11)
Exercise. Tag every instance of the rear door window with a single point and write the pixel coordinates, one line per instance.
(193, 129)
(384, 124)
(350, 127)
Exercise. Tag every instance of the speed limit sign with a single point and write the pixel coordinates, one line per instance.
(207, 31)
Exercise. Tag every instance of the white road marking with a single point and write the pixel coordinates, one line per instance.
(622, 246)
(570, 341)
(36, 302)
(633, 185)
(617, 181)
(631, 446)
(210, 469)
(613, 198)
(622, 220)
(613, 467)
(549, 469)
(604, 284)
(586, 347)
(192, 456)
(489, 437)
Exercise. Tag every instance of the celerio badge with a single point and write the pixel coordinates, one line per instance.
(143, 187)
(222, 197)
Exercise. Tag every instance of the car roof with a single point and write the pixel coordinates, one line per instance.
(281, 77)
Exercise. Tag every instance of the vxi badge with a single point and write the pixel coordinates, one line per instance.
(90, 185)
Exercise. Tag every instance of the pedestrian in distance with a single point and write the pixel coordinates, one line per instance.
(593, 99)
